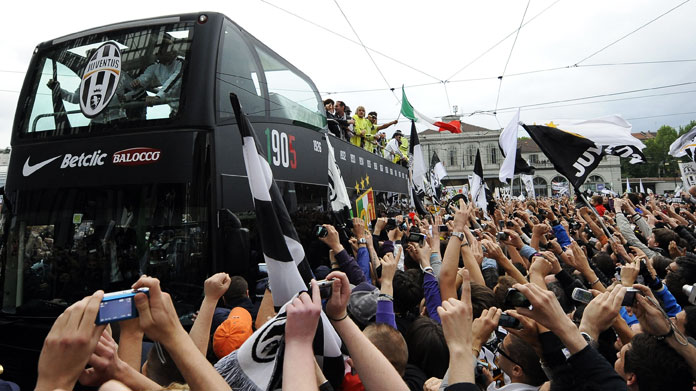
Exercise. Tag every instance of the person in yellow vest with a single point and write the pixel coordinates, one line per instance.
(361, 128)
(371, 139)
(404, 147)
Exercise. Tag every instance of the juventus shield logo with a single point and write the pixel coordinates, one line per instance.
(99, 79)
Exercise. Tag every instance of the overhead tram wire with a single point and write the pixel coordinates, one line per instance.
(662, 115)
(597, 101)
(351, 40)
(632, 32)
(367, 51)
(501, 41)
(500, 78)
(586, 97)
(520, 74)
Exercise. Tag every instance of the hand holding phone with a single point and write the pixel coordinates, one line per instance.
(508, 321)
(118, 306)
(515, 298)
(582, 295)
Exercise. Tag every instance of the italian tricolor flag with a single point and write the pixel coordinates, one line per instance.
(414, 115)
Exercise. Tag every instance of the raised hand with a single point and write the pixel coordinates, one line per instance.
(69, 344)
(484, 325)
(340, 295)
(303, 317)
(629, 272)
(216, 285)
(457, 317)
(157, 314)
(601, 312)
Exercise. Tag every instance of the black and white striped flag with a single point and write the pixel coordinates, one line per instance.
(258, 363)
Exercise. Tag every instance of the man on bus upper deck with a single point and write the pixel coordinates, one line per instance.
(165, 73)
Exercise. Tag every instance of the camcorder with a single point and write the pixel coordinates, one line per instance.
(118, 306)
(391, 224)
(630, 297)
(502, 235)
(319, 231)
(416, 237)
(515, 298)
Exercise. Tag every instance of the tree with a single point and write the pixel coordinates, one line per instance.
(659, 162)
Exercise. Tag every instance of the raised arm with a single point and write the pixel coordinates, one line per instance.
(301, 325)
(159, 320)
(376, 372)
(214, 287)
(450, 261)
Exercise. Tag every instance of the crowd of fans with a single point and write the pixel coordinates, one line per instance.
(364, 132)
(465, 299)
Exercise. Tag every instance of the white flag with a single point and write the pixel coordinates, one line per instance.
(338, 195)
(684, 145)
(528, 185)
(508, 143)
(642, 190)
(612, 132)
(628, 186)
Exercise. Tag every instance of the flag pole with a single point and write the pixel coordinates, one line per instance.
(601, 222)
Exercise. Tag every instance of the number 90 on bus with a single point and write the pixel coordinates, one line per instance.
(280, 149)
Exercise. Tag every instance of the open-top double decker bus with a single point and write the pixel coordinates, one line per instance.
(126, 160)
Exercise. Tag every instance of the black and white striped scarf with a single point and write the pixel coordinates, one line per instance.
(258, 363)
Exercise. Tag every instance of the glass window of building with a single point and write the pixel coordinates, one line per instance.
(540, 187)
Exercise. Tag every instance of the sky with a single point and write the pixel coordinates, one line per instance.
(446, 53)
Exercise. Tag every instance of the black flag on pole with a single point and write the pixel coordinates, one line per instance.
(573, 156)
(257, 364)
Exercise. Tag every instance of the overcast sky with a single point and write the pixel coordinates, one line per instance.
(437, 39)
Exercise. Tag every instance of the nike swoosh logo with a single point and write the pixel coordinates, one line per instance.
(28, 170)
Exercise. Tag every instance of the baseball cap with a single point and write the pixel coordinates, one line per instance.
(362, 305)
(232, 333)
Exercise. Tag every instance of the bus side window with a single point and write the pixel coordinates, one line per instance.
(237, 73)
(290, 94)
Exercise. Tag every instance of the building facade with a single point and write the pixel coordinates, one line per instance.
(458, 153)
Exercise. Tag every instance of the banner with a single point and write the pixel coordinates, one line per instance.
(365, 207)
(688, 174)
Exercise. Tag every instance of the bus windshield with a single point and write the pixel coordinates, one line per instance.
(73, 241)
(117, 79)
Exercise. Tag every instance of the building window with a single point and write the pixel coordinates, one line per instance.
(594, 183)
(493, 154)
(516, 187)
(471, 155)
(540, 188)
(534, 159)
(453, 157)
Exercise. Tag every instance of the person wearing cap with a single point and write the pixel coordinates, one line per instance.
(393, 150)
(232, 332)
(372, 137)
